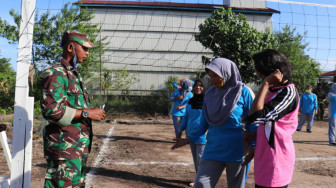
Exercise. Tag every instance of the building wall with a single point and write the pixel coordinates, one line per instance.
(246, 3)
(157, 43)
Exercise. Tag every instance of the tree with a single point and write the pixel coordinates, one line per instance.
(291, 44)
(48, 31)
(115, 80)
(230, 36)
(7, 86)
(169, 84)
(122, 80)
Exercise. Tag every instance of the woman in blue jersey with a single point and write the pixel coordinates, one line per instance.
(191, 121)
(225, 103)
(308, 107)
(180, 97)
(332, 115)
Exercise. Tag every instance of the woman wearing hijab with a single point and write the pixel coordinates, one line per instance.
(275, 109)
(225, 102)
(191, 121)
(180, 97)
(332, 115)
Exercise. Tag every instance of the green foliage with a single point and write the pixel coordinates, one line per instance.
(230, 36)
(8, 110)
(106, 82)
(152, 104)
(35, 91)
(117, 80)
(169, 84)
(7, 86)
(205, 61)
(155, 103)
(8, 31)
(122, 80)
(37, 108)
(113, 82)
(48, 31)
(291, 44)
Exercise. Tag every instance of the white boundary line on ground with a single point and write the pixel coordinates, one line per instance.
(99, 157)
(316, 159)
(190, 163)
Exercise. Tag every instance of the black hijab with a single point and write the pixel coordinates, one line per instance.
(196, 101)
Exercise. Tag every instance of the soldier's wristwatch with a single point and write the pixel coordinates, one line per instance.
(85, 114)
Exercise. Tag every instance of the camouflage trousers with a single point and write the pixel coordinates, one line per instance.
(66, 173)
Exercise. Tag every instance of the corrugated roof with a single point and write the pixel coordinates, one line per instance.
(331, 73)
(169, 5)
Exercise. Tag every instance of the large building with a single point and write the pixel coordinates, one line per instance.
(156, 39)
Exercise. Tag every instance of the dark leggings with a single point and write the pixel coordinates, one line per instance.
(258, 186)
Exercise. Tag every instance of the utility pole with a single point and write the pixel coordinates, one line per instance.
(24, 105)
(100, 59)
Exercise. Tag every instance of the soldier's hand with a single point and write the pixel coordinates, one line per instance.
(96, 114)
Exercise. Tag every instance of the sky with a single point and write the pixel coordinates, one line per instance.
(319, 23)
(311, 16)
(10, 50)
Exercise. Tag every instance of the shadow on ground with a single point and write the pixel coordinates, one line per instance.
(161, 182)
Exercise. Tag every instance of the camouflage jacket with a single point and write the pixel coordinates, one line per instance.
(62, 93)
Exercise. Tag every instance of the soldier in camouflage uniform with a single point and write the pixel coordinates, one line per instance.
(66, 106)
(321, 99)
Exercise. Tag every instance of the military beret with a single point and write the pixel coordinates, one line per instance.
(80, 38)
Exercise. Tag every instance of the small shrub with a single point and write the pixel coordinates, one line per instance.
(37, 109)
(4, 111)
(153, 104)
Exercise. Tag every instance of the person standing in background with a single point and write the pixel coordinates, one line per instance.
(308, 107)
(66, 105)
(321, 98)
(191, 121)
(177, 84)
(332, 115)
(180, 97)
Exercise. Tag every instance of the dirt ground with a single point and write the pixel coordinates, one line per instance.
(135, 152)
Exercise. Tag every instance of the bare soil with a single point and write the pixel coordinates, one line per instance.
(134, 151)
